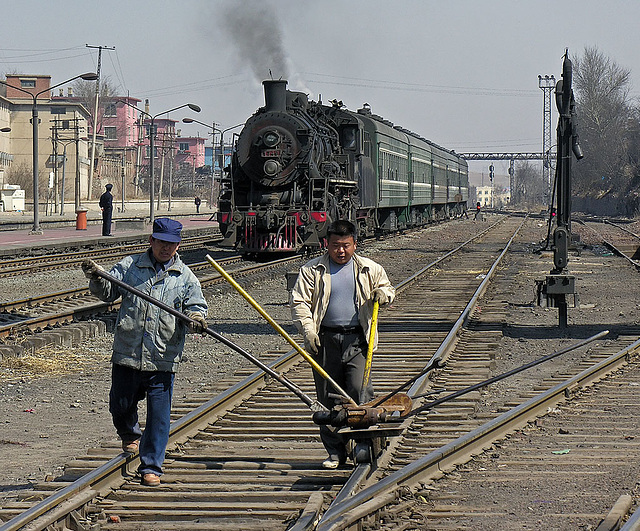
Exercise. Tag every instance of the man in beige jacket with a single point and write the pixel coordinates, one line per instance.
(331, 305)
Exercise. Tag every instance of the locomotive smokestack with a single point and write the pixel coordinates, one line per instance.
(275, 95)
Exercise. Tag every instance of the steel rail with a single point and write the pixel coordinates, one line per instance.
(459, 451)
(114, 472)
(93, 308)
(606, 221)
(447, 345)
(76, 292)
(612, 247)
(449, 341)
(633, 523)
(30, 264)
(408, 281)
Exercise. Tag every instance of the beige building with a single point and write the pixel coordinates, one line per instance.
(62, 130)
(492, 197)
(5, 140)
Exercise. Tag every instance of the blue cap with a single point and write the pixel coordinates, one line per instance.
(167, 230)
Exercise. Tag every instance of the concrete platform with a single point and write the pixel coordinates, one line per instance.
(16, 236)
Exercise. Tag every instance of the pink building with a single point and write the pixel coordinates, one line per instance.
(190, 150)
(120, 127)
(164, 141)
(185, 150)
(122, 141)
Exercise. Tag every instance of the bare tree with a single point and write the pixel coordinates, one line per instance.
(604, 113)
(529, 188)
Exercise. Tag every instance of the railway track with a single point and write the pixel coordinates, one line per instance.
(618, 239)
(585, 416)
(262, 426)
(58, 309)
(31, 264)
(255, 463)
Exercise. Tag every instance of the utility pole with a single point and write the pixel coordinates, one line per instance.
(70, 129)
(547, 84)
(95, 116)
(512, 172)
(122, 172)
(54, 139)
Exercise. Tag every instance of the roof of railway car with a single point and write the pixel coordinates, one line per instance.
(379, 124)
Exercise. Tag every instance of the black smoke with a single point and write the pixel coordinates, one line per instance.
(252, 26)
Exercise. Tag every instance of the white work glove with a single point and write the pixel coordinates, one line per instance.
(90, 269)
(311, 342)
(378, 295)
(200, 324)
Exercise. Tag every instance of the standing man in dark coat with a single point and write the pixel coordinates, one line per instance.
(106, 204)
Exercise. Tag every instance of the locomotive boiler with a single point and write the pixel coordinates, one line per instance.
(297, 165)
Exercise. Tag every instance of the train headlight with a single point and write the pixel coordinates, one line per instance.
(272, 167)
(271, 139)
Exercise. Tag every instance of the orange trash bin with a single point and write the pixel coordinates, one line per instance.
(81, 219)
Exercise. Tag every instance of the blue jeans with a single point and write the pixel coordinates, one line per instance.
(128, 387)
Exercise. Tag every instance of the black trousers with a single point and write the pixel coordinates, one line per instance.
(106, 221)
(343, 356)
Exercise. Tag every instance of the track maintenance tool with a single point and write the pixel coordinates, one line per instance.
(314, 405)
(352, 420)
(316, 366)
(366, 377)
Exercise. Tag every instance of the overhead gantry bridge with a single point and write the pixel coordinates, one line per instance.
(511, 157)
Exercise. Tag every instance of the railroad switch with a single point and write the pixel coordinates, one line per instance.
(555, 291)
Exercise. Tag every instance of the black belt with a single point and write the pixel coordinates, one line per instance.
(341, 329)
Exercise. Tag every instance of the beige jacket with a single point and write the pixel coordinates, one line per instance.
(310, 295)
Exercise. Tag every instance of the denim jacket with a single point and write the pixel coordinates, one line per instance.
(310, 295)
(146, 337)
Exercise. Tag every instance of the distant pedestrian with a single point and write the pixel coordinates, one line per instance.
(106, 204)
(197, 202)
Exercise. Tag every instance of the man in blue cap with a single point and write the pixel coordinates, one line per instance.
(148, 342)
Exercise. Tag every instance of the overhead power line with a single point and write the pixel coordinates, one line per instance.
(416, 87)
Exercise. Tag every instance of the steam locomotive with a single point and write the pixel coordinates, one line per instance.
(298, 165)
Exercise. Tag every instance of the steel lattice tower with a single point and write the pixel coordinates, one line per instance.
(547, 84)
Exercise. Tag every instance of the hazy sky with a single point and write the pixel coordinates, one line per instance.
(463, 73)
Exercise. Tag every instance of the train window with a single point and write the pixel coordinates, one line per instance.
(367, 145)
(348, 137)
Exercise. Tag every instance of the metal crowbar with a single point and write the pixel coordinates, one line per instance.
(316, 366)
(314, 405)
